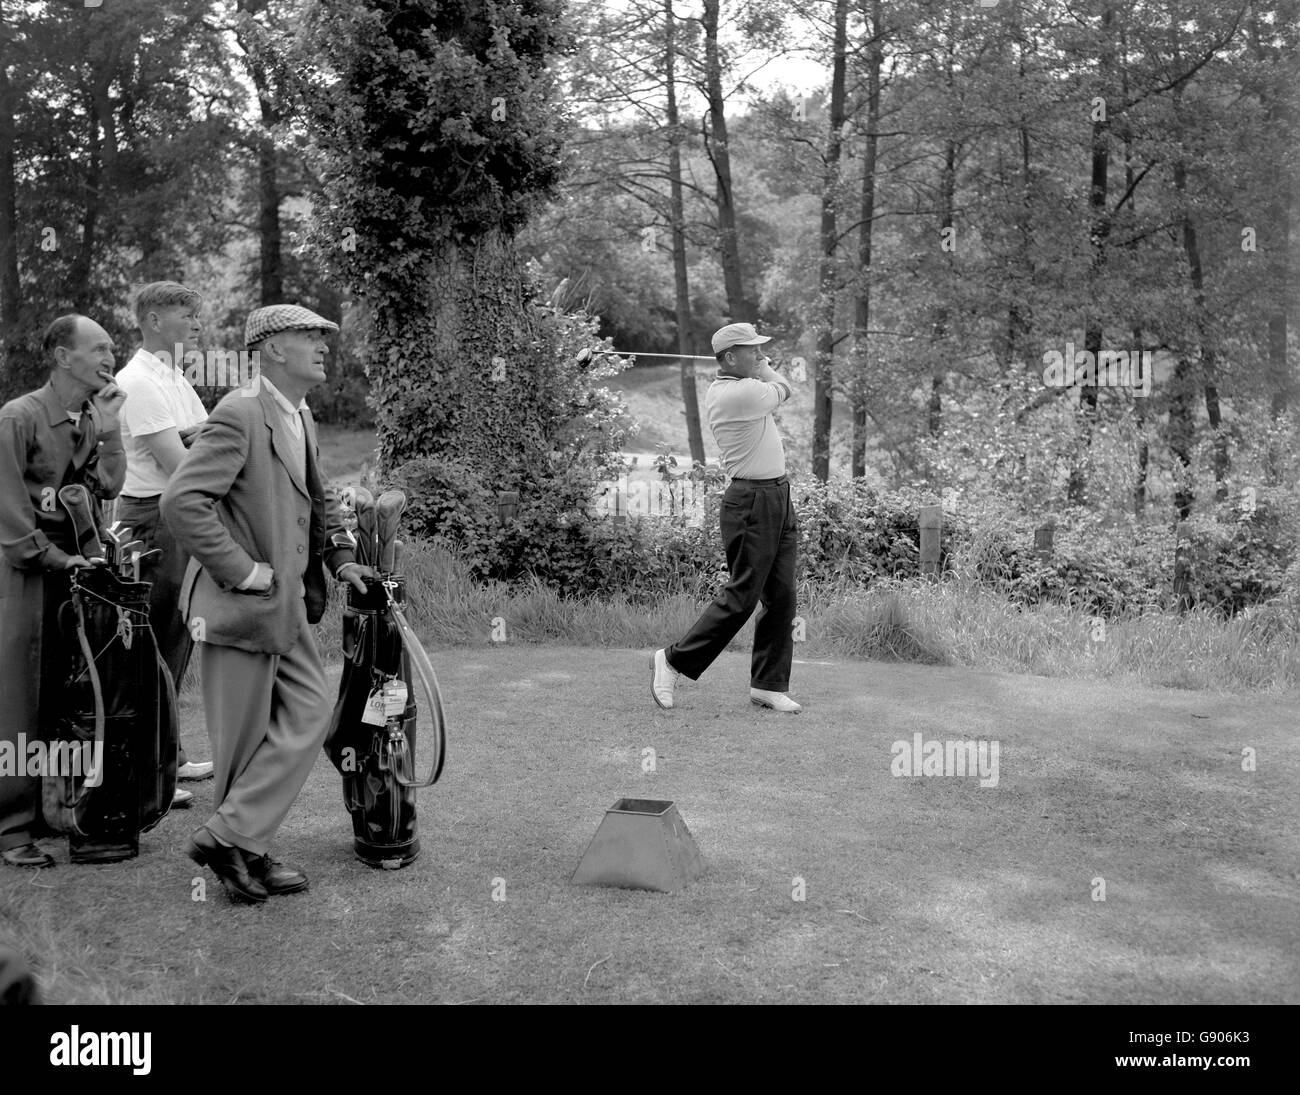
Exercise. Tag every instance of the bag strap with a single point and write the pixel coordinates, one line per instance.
(429, 682)
(95, 688)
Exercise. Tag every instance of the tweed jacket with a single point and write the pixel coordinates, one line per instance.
(236, 500)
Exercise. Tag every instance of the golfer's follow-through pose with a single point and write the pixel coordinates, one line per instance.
(759, 532)
(249, 506)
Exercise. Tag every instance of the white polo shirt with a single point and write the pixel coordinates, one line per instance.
(739, 412)
(158, 396)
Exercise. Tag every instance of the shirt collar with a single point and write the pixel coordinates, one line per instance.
(278, 396)
(55, 411)
(153, 361)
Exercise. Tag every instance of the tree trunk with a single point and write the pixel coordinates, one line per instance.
(939, 329)
(690, 397)
(10, 294)
(269, 238)
(1099, 232)
(1205, 336)
(1143, 447)
(78, 283)
(1182, 432)
(867, 213)
(740, 307)
(822, 405)
(271, 258)
(475, 327)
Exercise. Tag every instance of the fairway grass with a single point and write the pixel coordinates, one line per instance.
(930, 889)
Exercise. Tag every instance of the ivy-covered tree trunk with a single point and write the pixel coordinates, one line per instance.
(455, 372)
(439, 136)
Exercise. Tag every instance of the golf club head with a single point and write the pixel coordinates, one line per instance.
(388, 514)
(137, 557)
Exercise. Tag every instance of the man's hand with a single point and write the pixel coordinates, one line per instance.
(262, 579)
(187, 436)
(356, 573)
(108, 405)
(78, 562)
(769, 374)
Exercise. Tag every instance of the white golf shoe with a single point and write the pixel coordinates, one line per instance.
(777, 701)
(663, 679)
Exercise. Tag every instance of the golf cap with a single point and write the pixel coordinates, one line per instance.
(737, 334)
(264, 322)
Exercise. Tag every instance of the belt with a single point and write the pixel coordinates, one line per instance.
(763, 482)
(137, 498)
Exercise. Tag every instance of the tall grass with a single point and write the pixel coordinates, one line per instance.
(954, 622)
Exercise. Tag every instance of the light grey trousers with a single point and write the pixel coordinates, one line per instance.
(267, 716)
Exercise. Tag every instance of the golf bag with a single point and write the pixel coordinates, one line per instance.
(373, 744)
(116, 715)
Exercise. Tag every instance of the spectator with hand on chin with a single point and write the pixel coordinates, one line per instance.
(66, 432)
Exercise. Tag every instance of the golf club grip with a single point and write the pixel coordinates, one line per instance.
(429, 681)
(76, 501)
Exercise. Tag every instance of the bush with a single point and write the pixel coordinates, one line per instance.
(849, 536)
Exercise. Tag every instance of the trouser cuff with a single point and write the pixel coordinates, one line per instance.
(219, 828)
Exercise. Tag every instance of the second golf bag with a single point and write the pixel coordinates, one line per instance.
(114, 731)
(371, 738)
(370, 744)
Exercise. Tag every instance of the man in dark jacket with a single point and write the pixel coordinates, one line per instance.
(66, 432)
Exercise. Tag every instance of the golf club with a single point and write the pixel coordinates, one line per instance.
(429, 681)
(137, 557)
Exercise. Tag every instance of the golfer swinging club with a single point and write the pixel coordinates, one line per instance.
(759, 532)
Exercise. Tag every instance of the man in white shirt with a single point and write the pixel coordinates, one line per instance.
(759, 532)
(163, 414)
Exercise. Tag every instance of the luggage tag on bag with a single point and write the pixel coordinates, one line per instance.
(124, 629)
(385, 702)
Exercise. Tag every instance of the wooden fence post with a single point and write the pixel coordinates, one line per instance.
(1182, 566)
(930, 524)
(507, 505)
(1043, 539)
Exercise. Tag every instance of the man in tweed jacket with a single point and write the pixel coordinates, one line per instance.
(249, 506)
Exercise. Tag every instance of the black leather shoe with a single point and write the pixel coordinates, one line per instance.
(228, 864)
(26, 855)
(278, 878)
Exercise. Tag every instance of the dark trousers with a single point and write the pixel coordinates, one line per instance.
(166, 571)
(760, 536)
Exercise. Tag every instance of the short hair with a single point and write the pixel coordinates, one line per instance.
(62, 332)
(720, 355)
(163, 294)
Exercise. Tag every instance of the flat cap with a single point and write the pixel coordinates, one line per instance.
(264, 322)
(737, 334)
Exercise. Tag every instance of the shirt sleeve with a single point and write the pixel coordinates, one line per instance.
(145, 410)
(24, 546)
(750, 398)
